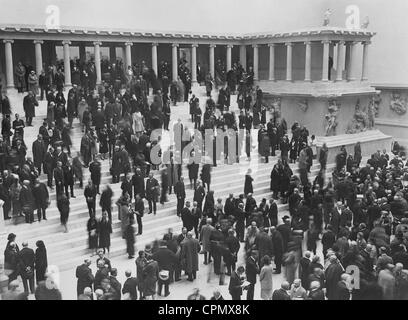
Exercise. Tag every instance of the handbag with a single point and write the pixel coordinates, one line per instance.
(29, 272)
(164, 275)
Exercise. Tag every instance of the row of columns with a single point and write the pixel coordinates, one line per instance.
(341, 53)
(341, 56)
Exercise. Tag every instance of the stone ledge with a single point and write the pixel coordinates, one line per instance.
(318, 89)
(370, 141)
(391, 122)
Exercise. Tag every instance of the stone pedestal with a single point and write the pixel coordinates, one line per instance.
(370, 141)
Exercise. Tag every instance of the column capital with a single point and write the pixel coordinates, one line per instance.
(255, 46)
(230, 46)
(154, 44)
(97, 43)
(8, 41)
(289, 44)
(271, 45)
(342, 42)
(128, 43)
(38, 41)
(366, 43)
(308, 43)
(194, 45)
(326, 41)
(64, 42)
(212, 45)
(174, 45)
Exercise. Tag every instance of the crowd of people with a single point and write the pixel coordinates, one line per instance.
(359, 215)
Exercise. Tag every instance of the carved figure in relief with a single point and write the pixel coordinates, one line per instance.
(331, 118)
(398, 104)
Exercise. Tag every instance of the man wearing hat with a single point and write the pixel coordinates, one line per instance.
(286, 231)
(84, 276)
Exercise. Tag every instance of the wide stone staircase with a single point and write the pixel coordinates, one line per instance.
(67, 250)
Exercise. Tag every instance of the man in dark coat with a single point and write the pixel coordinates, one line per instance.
(187, 217)
(26, 261)
(39, 152)
(199, 195)
(77, 166)
(341, 290)
(180, 191)
(235, 285)
(90, 196)
(49, 165)
(84, 276)
(27, 201)
(278, 249)
(166, 260)
(130, 285)
(190, 248)
(138, 183)
(252, 269)
(59, 178)
(95, 169)
(285, 230)
(264, 244)
(333, 276)
(152, 192)
(41, 196)
(29, 104)
(69, 179)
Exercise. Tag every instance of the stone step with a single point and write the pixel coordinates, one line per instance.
(222, 186)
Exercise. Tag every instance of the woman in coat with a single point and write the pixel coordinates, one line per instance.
(41, 262)
(11, 261)
(123, 211)
(63, 207)
(92, 227)
(274, 186)
(150, 276)
(209, 206)
(104, 232)
(33, 83)
(140, 264)
(248, 188)
(265, 279)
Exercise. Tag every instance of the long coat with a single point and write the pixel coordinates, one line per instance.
(85, 278)
(190, 248)
(29, 104)
(39, 152)
(248, 188)
(104, 231)
(150, 276)
(205, 234)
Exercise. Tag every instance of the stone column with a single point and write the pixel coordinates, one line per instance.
(340, 60)
(154, 57)
(256, 62)
(229, 54)
(97, 54)
(211, 63)
(128, 54)
(364, 70)
(308, 61)
(38, 56)
(67, 65)
(194, 64)
(8, 52)
(271, 61)
(325, 66)
(242, 56)
(174, 61)
(289, 46)
(351, 62)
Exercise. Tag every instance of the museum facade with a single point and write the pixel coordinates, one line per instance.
(316, 76)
